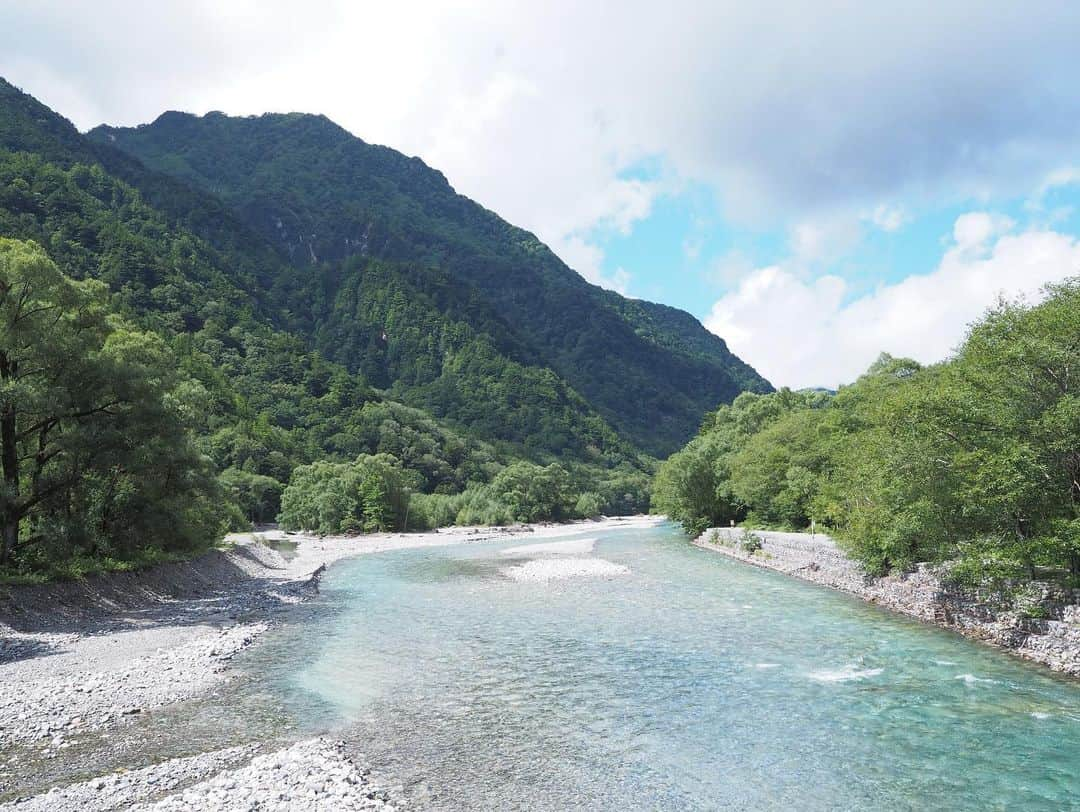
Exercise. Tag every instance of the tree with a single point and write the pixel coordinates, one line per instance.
(690, 486)
(1015, 427)
(257, 496)
(706, 485)
(369, 494)
(50, 385)
(589, 505)
(531, 492)
(95, 447)
(778, 471)
(383, 493)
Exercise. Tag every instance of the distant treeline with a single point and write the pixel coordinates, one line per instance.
(376, 493)
(974, 460)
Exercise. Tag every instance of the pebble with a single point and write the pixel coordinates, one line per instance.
(315, 774)
(125, 790)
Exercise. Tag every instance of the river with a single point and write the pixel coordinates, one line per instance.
(686, 681)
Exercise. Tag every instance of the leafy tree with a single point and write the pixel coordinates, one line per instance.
(94, 444)
(533, 493)
(778, 471)
(700, 487)
(690, 488)
(257, 496)
(1014, 427)
(369, 494)
(590, 505)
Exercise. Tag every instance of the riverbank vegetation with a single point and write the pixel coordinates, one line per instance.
(96, 443)
(377, 493)
(974, 460)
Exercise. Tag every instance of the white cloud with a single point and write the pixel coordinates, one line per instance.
(1062, 176)
(539, 110)
(973, 232)
(888, 217)
(808, 241)
(618, 280)
(806, 333)
(819, 241)
(729, 269)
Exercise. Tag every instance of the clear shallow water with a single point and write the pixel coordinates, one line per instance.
(694, 682)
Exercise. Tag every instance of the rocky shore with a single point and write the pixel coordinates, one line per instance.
(83, 664)
(1042, 624)
(315, 775)
(85, 667)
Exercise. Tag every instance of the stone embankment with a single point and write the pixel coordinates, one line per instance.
(1041, 624)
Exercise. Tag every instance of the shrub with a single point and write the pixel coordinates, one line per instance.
(749, 542)
(590, 505)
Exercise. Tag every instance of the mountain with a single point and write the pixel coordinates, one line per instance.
(394, 268)
(280, 252)
(181, 263)
(302, 326)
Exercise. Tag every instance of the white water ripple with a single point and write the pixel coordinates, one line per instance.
(971, 679)
(846, 674)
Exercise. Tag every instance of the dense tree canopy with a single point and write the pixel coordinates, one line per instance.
(976, 459)
(366, 495)
(95, 441)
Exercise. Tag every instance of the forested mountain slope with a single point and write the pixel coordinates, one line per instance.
(359, 218)
(178, 261)
(157, 387)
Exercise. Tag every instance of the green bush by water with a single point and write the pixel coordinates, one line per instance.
(973, 460)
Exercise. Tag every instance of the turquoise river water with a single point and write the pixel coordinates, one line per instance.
(689, 682)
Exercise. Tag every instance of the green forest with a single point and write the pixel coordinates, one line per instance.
(169, 373)
(403, 276)
(972, 461)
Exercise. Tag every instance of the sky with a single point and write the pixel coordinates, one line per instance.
(817, 183)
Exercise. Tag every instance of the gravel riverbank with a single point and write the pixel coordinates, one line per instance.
(1043, 625)
(83, 665)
